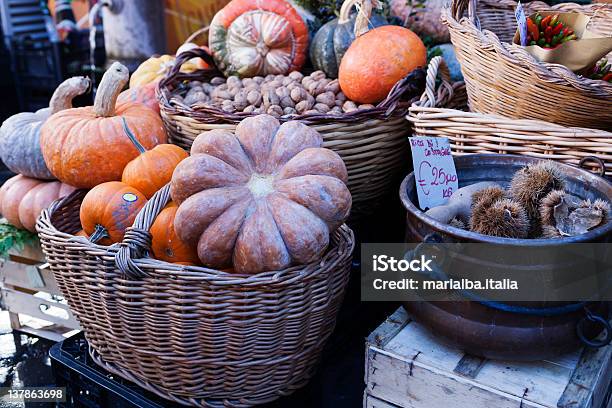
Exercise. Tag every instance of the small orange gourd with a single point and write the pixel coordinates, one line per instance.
(108, 210)
(166, 245)
(376, 60)
(153, 169)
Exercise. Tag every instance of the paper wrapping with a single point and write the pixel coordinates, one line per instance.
(577, 55)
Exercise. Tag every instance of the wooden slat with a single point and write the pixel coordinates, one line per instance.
(373, 402)
(29, 276)
(389, 328)
(469, 366)
(32, 254)
(22, 303)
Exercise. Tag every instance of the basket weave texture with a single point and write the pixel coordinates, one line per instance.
(438, 113)
(373, 143)
(193, 335)
(502, 78)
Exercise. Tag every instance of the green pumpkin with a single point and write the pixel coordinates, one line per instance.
(333, 39)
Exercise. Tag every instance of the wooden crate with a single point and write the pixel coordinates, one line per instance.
(30, 294)
(407, 367)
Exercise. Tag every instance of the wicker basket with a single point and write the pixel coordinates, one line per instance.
(437, 114)
(193, 335)
(502, 78)
(373, 143)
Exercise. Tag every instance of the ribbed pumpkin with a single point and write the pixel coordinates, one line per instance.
(166, 244)
(258, 37)
(152, 169)
(333, 39)
(377, 60)
(108, 210)
(155, 68)
(144, 94)
(87, 146)
(20, 134)
(261, 199)
(22, 199)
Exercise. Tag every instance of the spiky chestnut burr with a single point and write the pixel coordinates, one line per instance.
(504, 218)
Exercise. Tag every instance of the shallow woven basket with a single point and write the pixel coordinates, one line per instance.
(502, 78)
(193, 335)
(438, 113)
(373, 143)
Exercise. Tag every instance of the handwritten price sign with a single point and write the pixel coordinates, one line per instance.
(434, 169)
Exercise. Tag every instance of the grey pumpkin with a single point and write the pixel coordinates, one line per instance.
(20, 134)
(333, 39)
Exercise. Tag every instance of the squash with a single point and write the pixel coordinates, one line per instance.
(377, 60)
(333, 39)
(165, 243)
(199, 63)
(261, 199)
(108, 210)
(144, 94)
(39, 198)
(249, 38)
(20, 134)
(22, 199)
(87, 146)
(152, 169)
(155, 68)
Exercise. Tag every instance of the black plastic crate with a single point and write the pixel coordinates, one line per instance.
(88, 385)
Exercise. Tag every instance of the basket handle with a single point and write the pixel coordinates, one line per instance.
(196, 34)
(364, 13)
(600, 164)
(458, 8)
(137, 240)
(411, 84)
(182, 58)
(433, 97)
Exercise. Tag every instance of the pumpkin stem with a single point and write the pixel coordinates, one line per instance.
(66, 92)
(99, 233)
(111, 85)
(132, 137)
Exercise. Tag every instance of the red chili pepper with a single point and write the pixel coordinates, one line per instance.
(545, 21)
(557, 29)
(533, 30)
(608, 77)
(548, 33)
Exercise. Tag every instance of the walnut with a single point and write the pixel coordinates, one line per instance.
(311, 111)
(303, 106)
(333, 86)
(275, 110)
(340, 96)
(328, 98)
(296, 75)
(195, 95)
(258, 79)
(298, 94)
(336, 110)
(249, 109)
(289, 111)
(217, 81)
(194, 84)
(219, 94)
(366, 106)
(321, 107)
(287, 102)
(234, 81)
(240, 100)
(318, 75)
(349, 106)
(282, 92)
(254, 98)
(270, 98)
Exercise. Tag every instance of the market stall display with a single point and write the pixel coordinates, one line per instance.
(528, 89)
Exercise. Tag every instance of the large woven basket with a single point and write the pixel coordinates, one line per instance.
(372, 143)
(502, 78)
(438, 113)
(193, 335)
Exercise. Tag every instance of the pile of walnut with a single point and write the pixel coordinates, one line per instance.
(276, 95)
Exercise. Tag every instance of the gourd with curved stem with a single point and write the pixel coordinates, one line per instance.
(20, 134)
(333, 39)
(87, 146)
(152, 169)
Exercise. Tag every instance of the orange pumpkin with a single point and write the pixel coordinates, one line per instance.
(82, 233)
(166, 245)
(378, 59)
(144, 94)
(11, 195)
(87, 146)
(108, 210)
(153, 169)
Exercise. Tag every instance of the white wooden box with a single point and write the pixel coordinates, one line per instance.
(407, 367)
(30, 294)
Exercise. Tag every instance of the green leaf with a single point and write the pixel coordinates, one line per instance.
(12, 237)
